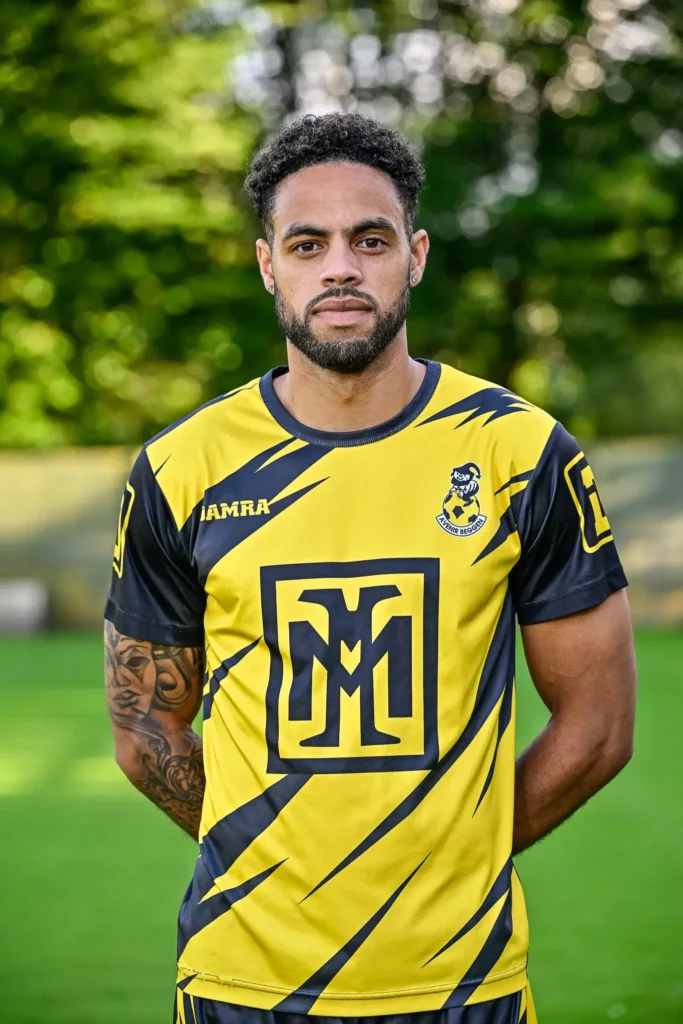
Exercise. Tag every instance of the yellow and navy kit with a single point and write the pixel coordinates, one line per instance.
(356, 594)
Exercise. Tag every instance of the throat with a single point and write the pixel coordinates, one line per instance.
(340, 403)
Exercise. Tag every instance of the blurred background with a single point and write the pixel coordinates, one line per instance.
(552, 133)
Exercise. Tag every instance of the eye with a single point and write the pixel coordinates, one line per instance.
(374, 242)
(305, 247)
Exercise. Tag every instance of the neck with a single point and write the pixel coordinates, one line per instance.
(325, 400)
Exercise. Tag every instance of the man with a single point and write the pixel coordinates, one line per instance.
(329, 560)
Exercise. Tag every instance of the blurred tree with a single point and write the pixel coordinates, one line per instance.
(553, 138)
(125, 257)
(552, 132)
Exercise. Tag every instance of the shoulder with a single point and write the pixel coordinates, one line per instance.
(488, 416)
(198, 425)
(205, 446)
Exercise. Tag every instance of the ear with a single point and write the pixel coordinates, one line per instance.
(265, 262)
(419, 247)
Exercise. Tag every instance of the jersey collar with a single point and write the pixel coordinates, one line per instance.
(350, 438)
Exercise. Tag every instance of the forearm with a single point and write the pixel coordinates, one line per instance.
(168, 768)
(558, 773)
(153, 694)
(583, 667)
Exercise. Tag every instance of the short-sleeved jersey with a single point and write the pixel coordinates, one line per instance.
(356, 597)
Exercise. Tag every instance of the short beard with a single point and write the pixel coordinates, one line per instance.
(353, 354)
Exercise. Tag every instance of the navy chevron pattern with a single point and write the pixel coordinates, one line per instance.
(490, 402)
(498, 889)
(232, 835)
(302, 1000)
(499, 667)
(182, 985)
(504, 718)
(519, 478)
(223, 844)
(197, 913)
(506, 527)
(488, 955)
(252, 481)
(221, 673)
(157, 471)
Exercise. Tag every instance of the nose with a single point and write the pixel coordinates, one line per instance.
(341, 267)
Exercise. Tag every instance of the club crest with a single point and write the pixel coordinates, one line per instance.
(461, 514)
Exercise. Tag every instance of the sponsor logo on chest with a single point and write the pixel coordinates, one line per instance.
(224, 509)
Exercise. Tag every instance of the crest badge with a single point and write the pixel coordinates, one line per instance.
(461, 514)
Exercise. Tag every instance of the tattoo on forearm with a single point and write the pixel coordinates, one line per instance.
(153, 690)
(174, 782)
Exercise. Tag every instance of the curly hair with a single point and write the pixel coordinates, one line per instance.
(351, 138)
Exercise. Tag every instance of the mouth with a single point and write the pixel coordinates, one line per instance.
(341, 312)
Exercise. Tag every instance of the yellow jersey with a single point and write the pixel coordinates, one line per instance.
(356, 595)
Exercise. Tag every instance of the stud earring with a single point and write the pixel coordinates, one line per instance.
(413, 279)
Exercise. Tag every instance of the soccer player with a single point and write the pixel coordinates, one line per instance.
(329, 561)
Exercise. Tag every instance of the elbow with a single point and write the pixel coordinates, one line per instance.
(617, 752)
(625, 752)
(126, 760)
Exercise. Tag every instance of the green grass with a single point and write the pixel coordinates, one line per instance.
(93, 875)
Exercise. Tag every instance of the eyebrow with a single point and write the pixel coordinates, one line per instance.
(373, 224)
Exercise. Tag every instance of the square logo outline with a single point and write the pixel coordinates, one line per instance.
(271, 575)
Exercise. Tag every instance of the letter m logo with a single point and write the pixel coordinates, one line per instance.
(353, 675)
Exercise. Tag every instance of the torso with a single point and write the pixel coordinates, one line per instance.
(359, 707)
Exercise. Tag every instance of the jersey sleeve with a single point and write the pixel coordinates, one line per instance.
(155, 593)
(569, 561)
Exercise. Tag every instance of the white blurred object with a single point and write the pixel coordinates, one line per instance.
(24, 606)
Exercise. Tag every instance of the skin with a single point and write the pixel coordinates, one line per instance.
(153, 695)
(335, 199)
(584, 669)
(583, 665)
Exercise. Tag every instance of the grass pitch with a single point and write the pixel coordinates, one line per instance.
(93, 874)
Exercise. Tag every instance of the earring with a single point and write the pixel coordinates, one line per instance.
(413, 279)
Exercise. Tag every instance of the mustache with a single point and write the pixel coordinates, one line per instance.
(340, 292)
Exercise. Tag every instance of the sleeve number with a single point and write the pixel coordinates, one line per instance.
(595, 527)
(124, 518)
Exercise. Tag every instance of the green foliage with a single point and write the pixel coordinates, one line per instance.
(125, 263)
(553, 138)
(569, 286)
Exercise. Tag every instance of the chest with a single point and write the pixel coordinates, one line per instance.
(375, 578)
(378, 515)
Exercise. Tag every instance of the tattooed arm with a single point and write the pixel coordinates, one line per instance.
(153, 693)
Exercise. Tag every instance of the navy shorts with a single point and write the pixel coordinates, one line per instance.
(510, 1009)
